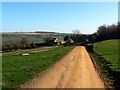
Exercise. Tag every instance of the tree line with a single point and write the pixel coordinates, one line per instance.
(24, 43)
(104, 32)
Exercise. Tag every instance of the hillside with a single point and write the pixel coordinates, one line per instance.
(31, 36)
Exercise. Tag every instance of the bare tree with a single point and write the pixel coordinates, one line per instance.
(76, 36)
(76, 31)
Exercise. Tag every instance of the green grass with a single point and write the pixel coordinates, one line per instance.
(109, 51)
(105, 56)
(19, 69)
(33, 50)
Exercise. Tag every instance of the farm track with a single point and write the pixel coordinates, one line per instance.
(75, 70)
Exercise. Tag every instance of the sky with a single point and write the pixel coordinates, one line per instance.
(119, 11)
(61, 17)
(60, 0)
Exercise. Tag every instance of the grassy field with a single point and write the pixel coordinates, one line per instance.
(105, 56)
(22, 51)
(109, 51)
(18, 69)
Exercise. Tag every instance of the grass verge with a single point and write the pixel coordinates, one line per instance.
(105, 57)
(17, 70)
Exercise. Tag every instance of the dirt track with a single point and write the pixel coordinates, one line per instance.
(75, 70)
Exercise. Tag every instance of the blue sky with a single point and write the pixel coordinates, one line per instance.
(57, 16)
